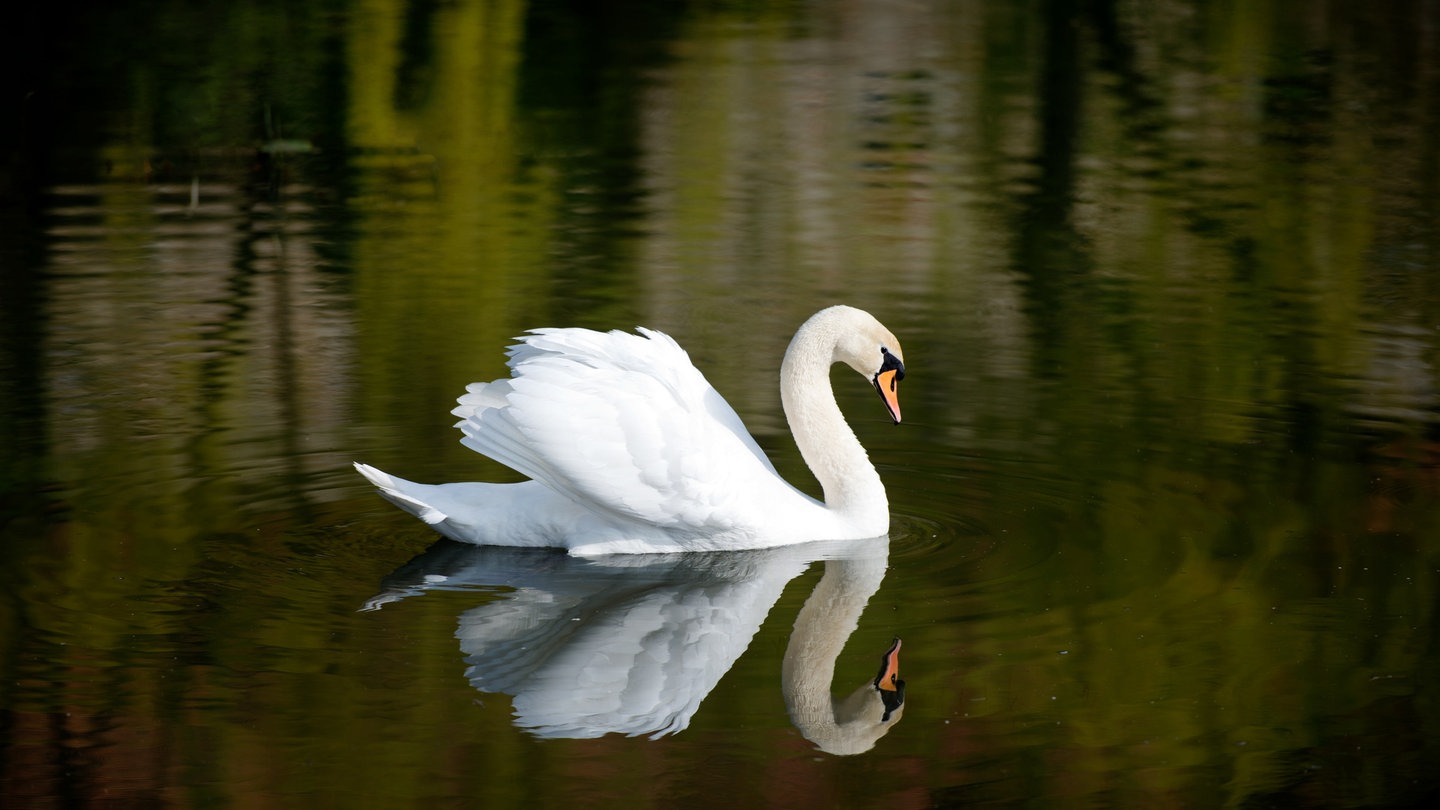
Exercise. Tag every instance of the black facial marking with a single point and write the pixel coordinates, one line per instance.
(892, 700)
(890, 362)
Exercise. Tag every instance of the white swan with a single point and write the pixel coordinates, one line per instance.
(630, 450)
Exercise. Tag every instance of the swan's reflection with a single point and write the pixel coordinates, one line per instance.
(632, 644)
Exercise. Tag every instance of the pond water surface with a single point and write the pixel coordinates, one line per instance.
(1166, 500)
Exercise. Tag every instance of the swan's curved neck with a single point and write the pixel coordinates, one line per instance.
(852, 487)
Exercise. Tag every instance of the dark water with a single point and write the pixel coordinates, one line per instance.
(1166, 502)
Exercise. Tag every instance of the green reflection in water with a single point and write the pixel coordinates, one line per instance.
(1166, 500)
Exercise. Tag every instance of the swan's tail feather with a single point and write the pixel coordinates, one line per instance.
(522, 514)
(394, 490)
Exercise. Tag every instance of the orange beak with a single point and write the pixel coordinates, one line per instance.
(892, 689)
(889, 678)
(887, 382)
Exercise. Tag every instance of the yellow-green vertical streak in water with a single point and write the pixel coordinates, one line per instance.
(373, 48)
(441, 242)
(444, 257)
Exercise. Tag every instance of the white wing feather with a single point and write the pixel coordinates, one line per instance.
(622, 424)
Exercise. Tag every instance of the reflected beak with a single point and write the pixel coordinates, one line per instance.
(887, 382)
(892, 689)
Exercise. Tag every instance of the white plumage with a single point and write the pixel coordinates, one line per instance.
(630, 449)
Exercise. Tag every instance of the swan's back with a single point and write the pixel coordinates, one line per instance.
(624, 426)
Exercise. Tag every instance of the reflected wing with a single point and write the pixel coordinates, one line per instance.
(627, 661)
(623, 425)
(629, 644)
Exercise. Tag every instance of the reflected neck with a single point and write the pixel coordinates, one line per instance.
(822, 627)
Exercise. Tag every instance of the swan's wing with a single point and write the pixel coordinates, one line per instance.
(622, 424)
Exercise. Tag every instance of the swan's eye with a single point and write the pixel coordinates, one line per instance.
(889, 362)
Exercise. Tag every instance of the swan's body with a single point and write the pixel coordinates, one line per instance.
(630, 449)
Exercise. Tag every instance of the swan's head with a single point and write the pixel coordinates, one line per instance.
(868, 347)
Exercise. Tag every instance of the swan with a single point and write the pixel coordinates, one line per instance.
(630, 450)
